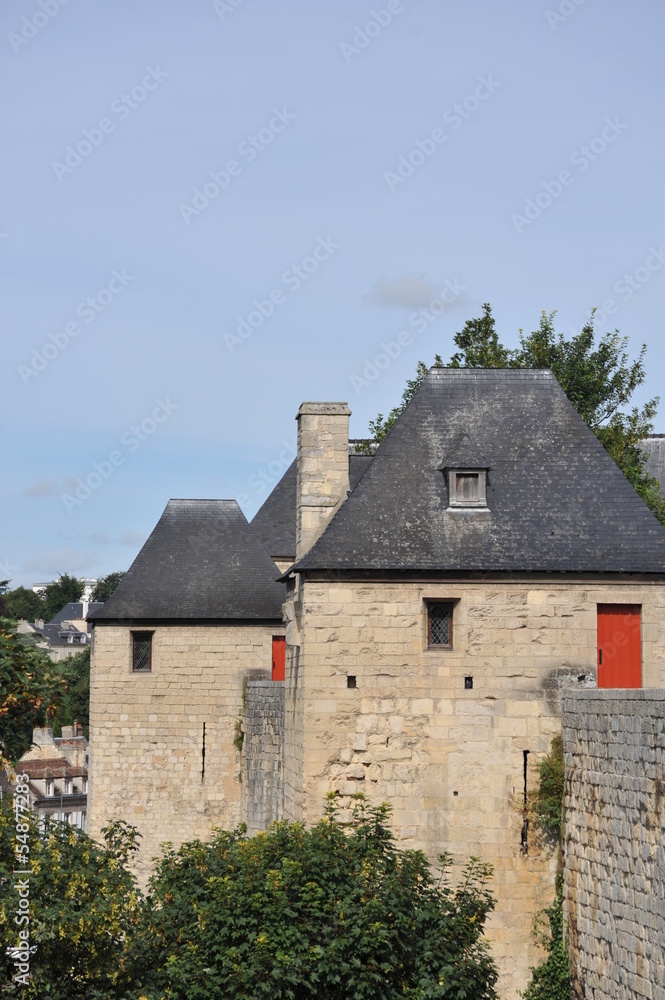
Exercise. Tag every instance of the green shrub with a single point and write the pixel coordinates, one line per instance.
(547, 804)
(317, 914)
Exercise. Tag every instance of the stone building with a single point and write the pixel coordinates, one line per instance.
(57, 770)
(196, 612)
(438, 598)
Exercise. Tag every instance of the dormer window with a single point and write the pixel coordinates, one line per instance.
(465, 469)
(467, 488)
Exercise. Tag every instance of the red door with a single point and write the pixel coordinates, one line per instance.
(278, 657)
(619, 646)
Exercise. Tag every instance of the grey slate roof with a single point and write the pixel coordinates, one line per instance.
(55, 635)
(556, 500)
(275, 521)
(654, 446)
(73, 611)
(202, 562)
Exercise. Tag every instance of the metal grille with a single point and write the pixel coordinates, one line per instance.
(439, 624)
(142, 644)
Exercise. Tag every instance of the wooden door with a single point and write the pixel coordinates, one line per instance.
(619, 646)
(278, 657)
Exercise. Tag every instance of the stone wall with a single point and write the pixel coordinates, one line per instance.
(450, 759)
(614, 882)
(147, 730)
(263, 752)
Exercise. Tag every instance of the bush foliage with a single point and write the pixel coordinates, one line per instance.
(316, 913)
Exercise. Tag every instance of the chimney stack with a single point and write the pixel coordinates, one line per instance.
(42, 737)
(323, 468)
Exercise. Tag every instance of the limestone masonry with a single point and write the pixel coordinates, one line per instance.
(439, 596)
(614, 888)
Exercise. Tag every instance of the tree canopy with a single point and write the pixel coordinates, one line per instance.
(106, 585)
(597, 375)
(22, 603)
(294, 913)
(75, 704)
(30, 690)
(64, 590)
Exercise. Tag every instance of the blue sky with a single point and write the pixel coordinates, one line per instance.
(213, 211)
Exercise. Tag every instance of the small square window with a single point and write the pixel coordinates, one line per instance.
(142, 652)
(467, 488)
(467, 485)
(351, 681)
(439, 625)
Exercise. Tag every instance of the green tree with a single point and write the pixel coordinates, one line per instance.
(106, 585)
(75, 705)
(598, 376)
(84, 906)
(23, 603)
(313, 913)
(65, 590)
(479, 345)
(30, 690)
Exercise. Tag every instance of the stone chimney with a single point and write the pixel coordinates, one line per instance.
(42, 737)
(323, 468)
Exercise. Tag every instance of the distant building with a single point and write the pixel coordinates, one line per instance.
(88, 582)
(65, 634)
(654, 446)
(57, 771)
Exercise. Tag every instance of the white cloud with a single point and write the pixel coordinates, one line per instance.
(61, 561)
(410, 292)
(131, 538)
(42, 488)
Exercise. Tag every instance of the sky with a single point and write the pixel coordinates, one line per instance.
(215, 210)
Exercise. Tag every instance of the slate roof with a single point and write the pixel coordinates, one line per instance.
(73, 612)
(654, 446)
(556, 500)
(275, 521)
(202, 562)
(55, 634)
